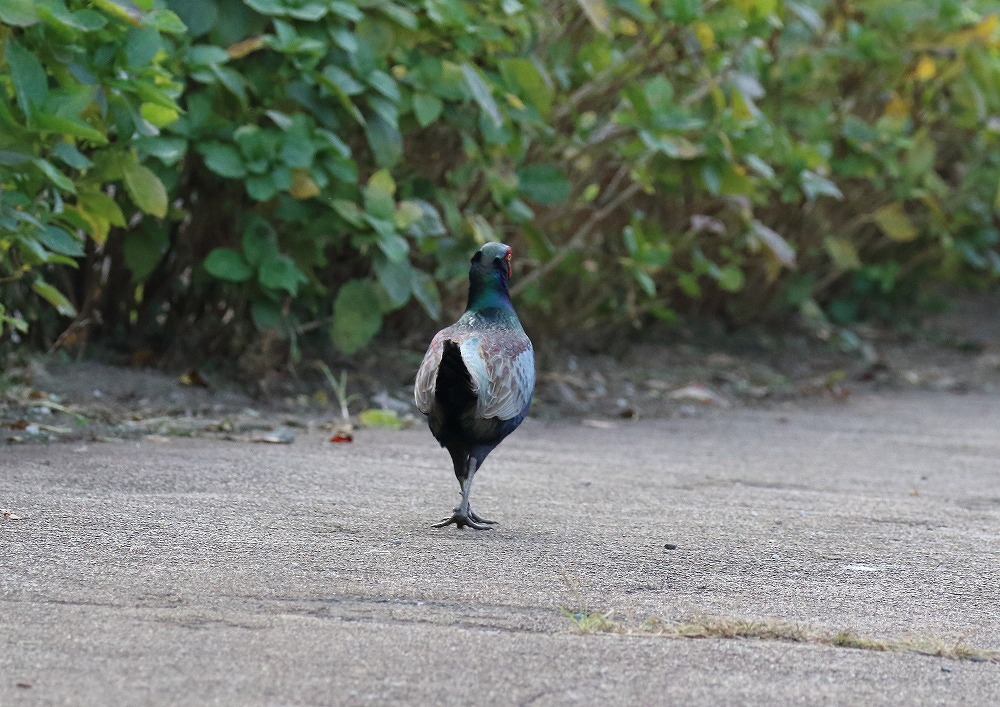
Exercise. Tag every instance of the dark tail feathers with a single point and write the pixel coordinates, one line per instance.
(454, 384)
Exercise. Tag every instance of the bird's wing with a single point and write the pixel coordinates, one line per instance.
(423, 388)
(503, 369)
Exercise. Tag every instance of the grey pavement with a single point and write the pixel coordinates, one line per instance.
(197, 571)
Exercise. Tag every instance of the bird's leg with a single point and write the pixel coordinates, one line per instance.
(463, 515)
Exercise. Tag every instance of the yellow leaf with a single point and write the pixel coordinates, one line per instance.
(515, 101)
(893, 221)
(896, 107)
(247, 46)
(986, 27)
(626, 27)
(925, 70)
(303, 186)
(843, 253)
(158, 115)
(399, 71)
(705, 35)
(98, 226)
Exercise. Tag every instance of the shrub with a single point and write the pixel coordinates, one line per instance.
(291, 166)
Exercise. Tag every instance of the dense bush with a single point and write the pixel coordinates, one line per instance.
(222, 168)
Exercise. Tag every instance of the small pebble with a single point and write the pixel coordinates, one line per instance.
(670, 546)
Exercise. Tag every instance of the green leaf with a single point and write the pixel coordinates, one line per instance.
(659, 94)
(524, 77)
(71, 156)
(281, 273)
(200, 16)
(261, 187)
(165, 21)
(396, 278)
(66, 125)
(400, 15)
(730, 278)
(59, 241)
(813, 185)
(425, 291)
(343, 81)
(260, 241)
(357, 317)
(141, 45)
(387, 419)
(266, 315)
(309, 11)
(893, 221)
(407, 214)
(543, 183)
(429, 223)
(54, 297)
(384, 84)
(349, 211)
(143, 249)
(385, 141)
(347, 10)
(481, 93)
(379, 195)
(100, 212)
(427, 108)
(268, 7)
(103, 206)
(54, 175)
(19, 13)
(166, 149)
(759, 166)
(227, 264)
(146, 189)
(394, 246)
(223, 159)
(31, 85)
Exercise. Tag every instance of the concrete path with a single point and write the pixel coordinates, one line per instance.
(207, 572)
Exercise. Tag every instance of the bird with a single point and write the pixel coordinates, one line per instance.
(477, 378)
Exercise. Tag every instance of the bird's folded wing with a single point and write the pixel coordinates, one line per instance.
(423, 388)
(504, 373)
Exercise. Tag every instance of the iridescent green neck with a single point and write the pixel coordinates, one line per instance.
(488, 291)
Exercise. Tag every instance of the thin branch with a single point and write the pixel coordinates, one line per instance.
(578, 240)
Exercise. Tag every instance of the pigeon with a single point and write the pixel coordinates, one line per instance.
(477, 377)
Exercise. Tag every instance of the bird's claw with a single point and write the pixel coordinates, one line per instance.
(465, 520)
(479, 519)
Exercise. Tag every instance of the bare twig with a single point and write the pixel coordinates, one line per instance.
(578, 240)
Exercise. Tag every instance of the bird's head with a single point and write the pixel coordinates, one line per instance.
(492, 258)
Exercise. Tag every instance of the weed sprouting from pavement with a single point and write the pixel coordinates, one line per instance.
(584, 619)
(774, 630)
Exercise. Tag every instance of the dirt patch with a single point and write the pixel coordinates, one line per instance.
(680, 372)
